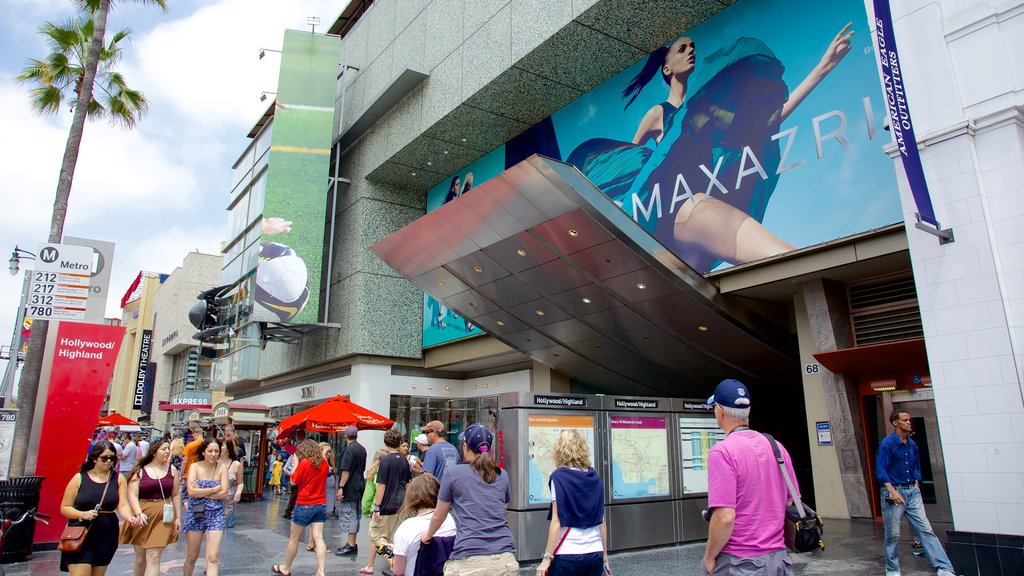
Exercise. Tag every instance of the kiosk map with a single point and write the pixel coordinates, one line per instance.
(639, 457)
(543, 433)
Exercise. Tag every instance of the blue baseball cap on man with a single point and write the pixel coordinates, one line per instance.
(731, 394)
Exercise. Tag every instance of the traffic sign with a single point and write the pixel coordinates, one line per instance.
(59, 285)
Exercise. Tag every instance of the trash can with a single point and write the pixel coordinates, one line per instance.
(16, 496)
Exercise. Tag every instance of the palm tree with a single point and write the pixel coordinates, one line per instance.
(58, 78)
(28, 387)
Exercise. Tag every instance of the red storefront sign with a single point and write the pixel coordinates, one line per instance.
(83, 362)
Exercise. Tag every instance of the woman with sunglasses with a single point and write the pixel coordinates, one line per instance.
(152, 486)
(90, 499)
(207, 485)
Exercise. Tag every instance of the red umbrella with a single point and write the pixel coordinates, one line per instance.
(333, 415)
(115, 419)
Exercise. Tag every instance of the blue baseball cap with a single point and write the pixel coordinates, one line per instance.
(478, 438)
(731, 394)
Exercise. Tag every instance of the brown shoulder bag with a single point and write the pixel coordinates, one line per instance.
(72, 538)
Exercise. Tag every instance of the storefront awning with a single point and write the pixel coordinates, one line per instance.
(877, 358)
(169, 407)
(540, 258)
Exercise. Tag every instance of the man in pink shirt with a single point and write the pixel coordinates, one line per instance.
(746, 493)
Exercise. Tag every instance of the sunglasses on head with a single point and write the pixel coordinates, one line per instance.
(107, 458)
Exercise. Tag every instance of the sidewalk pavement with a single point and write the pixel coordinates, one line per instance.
(260, 535)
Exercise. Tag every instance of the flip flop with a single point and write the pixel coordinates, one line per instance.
(310, 547)
(366, 570)
(276, 569)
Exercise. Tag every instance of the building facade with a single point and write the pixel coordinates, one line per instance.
(131, 384)
(182, 380)
(434, 188)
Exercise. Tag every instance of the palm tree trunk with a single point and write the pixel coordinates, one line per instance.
(28, 388)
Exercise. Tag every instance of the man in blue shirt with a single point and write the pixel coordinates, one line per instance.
(441, 454)
(898, 469)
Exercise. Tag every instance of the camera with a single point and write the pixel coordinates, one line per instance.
(706, 514)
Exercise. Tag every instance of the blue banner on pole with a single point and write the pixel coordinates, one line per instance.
(899, 112)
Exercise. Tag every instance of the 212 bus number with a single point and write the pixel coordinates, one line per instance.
(46, 277)
(40, 311)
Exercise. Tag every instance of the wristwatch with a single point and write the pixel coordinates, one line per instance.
(548, 556)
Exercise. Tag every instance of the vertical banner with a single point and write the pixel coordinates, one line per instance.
(295, 199)
(147, 393)
(140, 375)
(8, 419)
(899, 112)
(83, 362)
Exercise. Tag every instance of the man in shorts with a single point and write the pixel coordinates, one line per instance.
(350, 489)
(393, 474)
(747, 495)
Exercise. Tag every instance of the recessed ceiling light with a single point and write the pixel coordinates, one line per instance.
(521, 252)
(641, 285)
(500, 323)
(440, 282)
(477, 269)
(429, 163)
(586, 300)
(540, 312)
(463, 139)
(413, 173)
(702, 328)
(597, 347)
(445, 151)
(573, 232)
(647, 338)
(556, 355)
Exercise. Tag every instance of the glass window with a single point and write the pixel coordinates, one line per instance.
(239, 216)
(412, 412)
(256, 196)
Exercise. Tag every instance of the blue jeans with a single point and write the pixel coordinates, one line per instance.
(914, 511)
(577, 565)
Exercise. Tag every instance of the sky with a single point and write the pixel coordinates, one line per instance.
(158, 191)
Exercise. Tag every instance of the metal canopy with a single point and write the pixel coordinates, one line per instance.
(542, 260)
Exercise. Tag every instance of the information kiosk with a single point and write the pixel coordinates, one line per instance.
(251, 423)
(650, 453)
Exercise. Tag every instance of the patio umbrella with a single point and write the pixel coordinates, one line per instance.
(122, 423)
(333, 415)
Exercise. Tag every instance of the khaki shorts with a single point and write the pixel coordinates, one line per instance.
(495, 565)
(384, 529)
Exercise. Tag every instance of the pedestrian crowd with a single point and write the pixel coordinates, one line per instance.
(443, 512)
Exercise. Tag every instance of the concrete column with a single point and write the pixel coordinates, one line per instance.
(827, 311)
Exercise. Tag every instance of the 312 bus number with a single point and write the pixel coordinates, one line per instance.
(45, 276)
(37, 311)
(42, 300)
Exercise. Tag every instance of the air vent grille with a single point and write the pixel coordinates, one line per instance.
(885, 310)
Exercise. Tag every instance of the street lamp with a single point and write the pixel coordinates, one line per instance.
(15, 261)
(263, 97)
(263, 52)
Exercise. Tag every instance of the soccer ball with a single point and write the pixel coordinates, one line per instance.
(282, 280)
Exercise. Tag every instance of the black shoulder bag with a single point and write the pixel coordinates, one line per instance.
(803, 527)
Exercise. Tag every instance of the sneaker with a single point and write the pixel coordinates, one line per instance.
(892, 573)
(347, 550)
(916, 544)
(945, 573)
